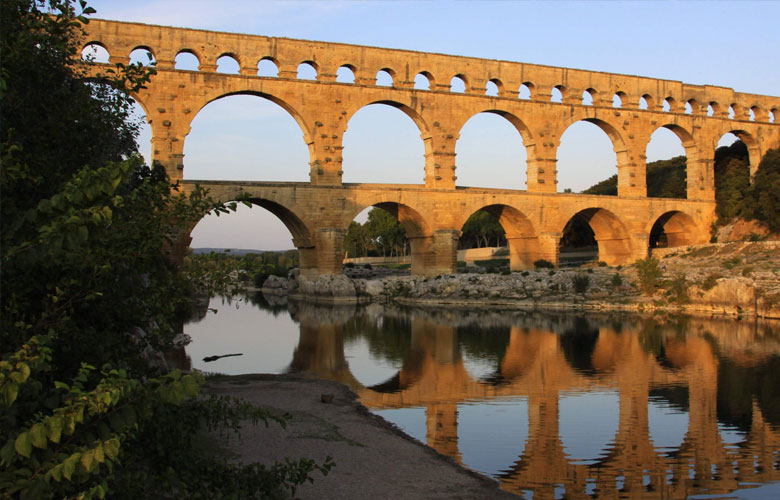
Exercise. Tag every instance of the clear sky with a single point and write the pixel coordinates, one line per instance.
(725, 43)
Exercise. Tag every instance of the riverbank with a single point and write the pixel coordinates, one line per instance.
(373, 458)
(739, 279)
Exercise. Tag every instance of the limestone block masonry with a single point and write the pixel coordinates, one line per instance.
(318, 212)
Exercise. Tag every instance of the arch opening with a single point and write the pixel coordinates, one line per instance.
(227, 64)
(673, 229)
(710, 110)
(556, 94)
(772, 115)
(186, 60)
(594, 234)
(423, 81)
(588, 96)
(667, 105)
(688, 108)
(265, 226)
(307, 70)
(458, 84)
(144, 138)
(617, 99)
(732, 176)
(586, 158)
(345, 74)
(644, 102)
(267, 67)
(142, 56)
(376, 236)
(246, 137)
(667, 162)
(491, 88)
(490, 152)
(382, 145)
(385, 78)
(96, 53)
(524, 92)
(501, 234)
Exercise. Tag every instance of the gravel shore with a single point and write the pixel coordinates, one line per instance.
(373, 458)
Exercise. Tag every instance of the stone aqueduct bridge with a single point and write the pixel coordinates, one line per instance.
(317, 213)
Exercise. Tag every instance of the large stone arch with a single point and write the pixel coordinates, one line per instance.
(526, 134)
(753, 147)
(216, 96)
(679, 228)
(521, 235)
(611, 234)
(408, 110)
(619, 146)
(695, 169)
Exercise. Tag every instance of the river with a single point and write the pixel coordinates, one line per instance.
(559, 405)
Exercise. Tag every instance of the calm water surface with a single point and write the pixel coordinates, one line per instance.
(551, 405)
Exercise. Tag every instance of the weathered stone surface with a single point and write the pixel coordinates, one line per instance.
(318, 213)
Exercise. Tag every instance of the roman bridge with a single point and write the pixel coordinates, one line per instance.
(317, 213)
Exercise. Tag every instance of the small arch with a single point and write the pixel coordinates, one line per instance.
(494, 87)
(385, 77)
(267, 67)
(710, 109)
(142, 55)
(526, 91)
(668, 104)
(732, 111)
(688, 108)
(773, 115)
(754, 111)
(556, 93)
(95, 52)
(588, 97)
(307, 70)
(423, 81)
(186, 60)
(618, 98)
(458, 84)
(228, 65)
(674, 229)
(643, 102)
(346, 73)
(649, 102)
(609, 233)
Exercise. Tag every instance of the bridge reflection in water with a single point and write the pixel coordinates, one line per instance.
(730, 371)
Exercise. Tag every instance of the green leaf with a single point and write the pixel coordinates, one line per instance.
(111, 448)
(10, 391)
(54, 428)
(69, 465)
(23, 444)
(38, 435)
(98, 452)
(87, 460)
(7, 453)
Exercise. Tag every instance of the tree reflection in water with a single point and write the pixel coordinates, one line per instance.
(654, 408)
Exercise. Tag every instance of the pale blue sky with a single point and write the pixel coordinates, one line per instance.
(731, 44)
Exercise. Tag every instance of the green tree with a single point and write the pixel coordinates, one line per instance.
(482, 229)
(386, 233)
(762, 200)
(88, 288)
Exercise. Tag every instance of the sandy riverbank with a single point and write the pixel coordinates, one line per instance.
(373, 458)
